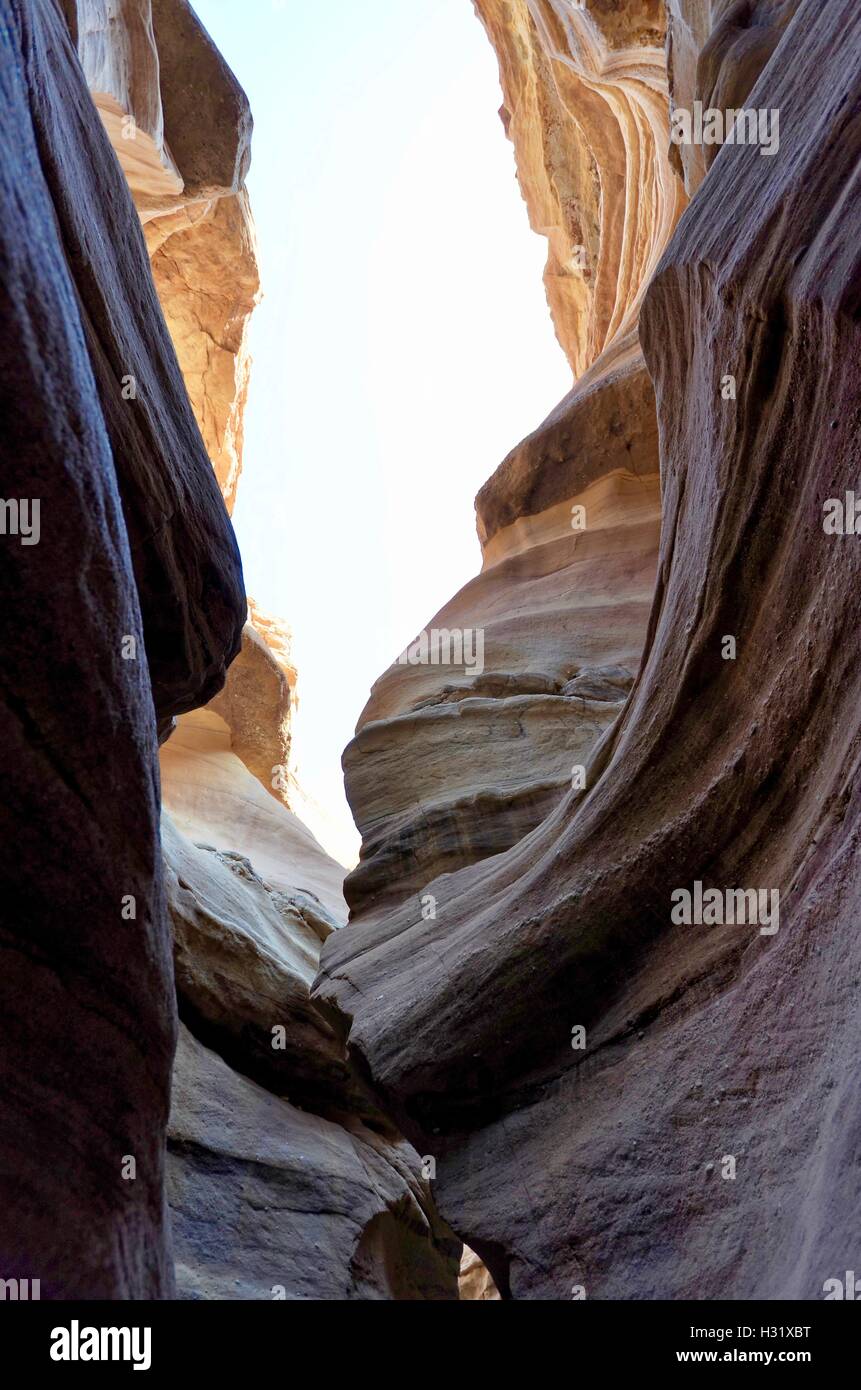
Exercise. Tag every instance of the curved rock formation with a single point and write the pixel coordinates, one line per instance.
(215, 800)
(601, 965)
(569, 524)
(128, 585)
(272, 1120)
(128, 607)
(585, 106)
(732, 766)
(562, 617)
(271, 1202)
(117, 49)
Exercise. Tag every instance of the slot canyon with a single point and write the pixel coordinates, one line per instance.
(487, 1063)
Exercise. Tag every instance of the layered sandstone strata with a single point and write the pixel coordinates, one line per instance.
(569, 524)
(284, 1177)
(273, 1202)
(572, 1069)
(601, 1170)
(267, 1115)
(226, 771)
(585, 106)
(216, 800)
(448, 766)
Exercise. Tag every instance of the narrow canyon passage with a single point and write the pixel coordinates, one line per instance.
(574, 1025)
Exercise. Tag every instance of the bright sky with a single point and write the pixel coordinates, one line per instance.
(403, 346)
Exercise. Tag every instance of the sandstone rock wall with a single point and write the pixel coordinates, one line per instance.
(285, 1178)
(598, 1169)
(126, 612)
(572, 1068)
(273, 1202)
(570, 522)
(716, 51)
(180, 126)
(585, 106)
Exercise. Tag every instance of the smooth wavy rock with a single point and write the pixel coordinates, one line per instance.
(129, 607)
(245, 957)
(298, 1181)
(449, 767)
(569, 523)
(604, 1170)
(251, 894)
(271, 1202)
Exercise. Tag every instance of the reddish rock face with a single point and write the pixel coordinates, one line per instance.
(605, 1168)
(126, 612)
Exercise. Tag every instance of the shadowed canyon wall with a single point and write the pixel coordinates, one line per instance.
(125, 614)
(581, 1062)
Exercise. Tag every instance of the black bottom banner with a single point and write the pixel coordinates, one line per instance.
(220, 1339)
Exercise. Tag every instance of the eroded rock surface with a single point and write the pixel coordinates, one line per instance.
(285, 1177)
(450, 767)
(476, 1285)
(602, 1170)
(716, 51)
(452, 764)
(585, 106)
(108, 632)
(180, 126)
(215, 800)
(272, 1202)
(251, 894)
(596, 1168)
